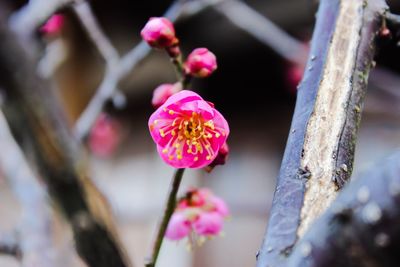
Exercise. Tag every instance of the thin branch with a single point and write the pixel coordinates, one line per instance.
(319, 154)
(96, 34)
(169, 209)
(362, 227)
(393, 18)
(263, 29)
(35, 228)
(113, 76)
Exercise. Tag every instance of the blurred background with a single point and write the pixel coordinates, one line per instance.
(255, 89)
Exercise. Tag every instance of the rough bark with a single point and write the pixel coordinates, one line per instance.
(361, 228)
(37, 122)
(319, 153)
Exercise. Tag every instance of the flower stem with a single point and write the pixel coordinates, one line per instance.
(182, 77)
(178, 64)
(169, 209)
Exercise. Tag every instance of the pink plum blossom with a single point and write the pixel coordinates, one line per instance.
(53, 25)
(188, 131)
(163, 92)
(199, 212)
(201, 63)
(178, 227)
(159, 32)
(208, 223)
(105, 136)
(220, 206)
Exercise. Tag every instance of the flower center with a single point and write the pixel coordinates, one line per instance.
(192, 128)
(188, 133)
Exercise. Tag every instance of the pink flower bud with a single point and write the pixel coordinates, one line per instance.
(159, 33)
(201, 63)
(53, 25)
(221, 158)
(163, 92)
(178, 227)
(208, 223)
(104, 136)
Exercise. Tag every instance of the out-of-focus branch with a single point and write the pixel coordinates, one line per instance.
(288, 47)
(319, 153)
(361, 228)
(113, 75)
(263, 29)
(9, 245)
(92, 28)
(36, 119)
(393, 18)
(35, 244)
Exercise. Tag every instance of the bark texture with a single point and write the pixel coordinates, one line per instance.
(361, 228)
(319, 154)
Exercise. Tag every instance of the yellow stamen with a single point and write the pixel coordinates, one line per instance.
(162, 133)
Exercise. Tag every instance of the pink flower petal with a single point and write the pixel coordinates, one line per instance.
(53, 25)
(178, 227)
(220, 206)
(208, 223)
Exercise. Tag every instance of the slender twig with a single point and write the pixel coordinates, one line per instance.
(285, 45)
(263, 29)
(393, 18)
(169, 209)
(113, 76)
(96, 34)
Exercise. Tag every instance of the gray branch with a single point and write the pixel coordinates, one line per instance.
(114, 73)
(263, 29)
(96, 34)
